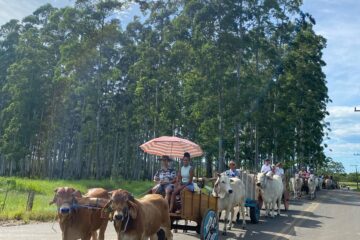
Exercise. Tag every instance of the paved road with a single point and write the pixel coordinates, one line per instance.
(333, 215)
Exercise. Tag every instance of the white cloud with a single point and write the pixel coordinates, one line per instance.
(338, 22)
(18, 9)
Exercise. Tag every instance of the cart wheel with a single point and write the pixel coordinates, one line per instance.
(255, 214)
(210, 226)
(198, 228)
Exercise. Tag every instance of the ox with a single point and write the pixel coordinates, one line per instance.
(271, 188)
(139, 219)
(231, 193)
(312, 183)
(78, 222)
(329, 183)
(320, 183)
(296, 185)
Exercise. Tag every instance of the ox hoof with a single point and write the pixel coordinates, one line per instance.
(244, 227)
(224, 233)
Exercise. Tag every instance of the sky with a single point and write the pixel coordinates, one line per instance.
(339, 22)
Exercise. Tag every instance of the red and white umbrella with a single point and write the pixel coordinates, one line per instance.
(171, 146)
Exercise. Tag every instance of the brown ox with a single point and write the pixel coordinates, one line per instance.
(139, 219)
(77, 222)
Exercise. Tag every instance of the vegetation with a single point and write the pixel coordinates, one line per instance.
(15, 204)
(80, 91)
(351, 185)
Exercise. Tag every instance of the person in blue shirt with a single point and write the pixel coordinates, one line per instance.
(232, 171)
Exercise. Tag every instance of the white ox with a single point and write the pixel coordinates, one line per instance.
(312, 183)
(296, 184)
(271, 188)
(320, 182)
(231, 193)
(328, 183)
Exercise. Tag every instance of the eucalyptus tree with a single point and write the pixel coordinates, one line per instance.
(27, 84)
(9, 38)
(305, 91)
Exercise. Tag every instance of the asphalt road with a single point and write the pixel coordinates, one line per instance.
(334, 215)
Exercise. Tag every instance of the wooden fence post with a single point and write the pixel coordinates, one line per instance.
(30, 201)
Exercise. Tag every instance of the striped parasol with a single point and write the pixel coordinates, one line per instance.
(171, 146)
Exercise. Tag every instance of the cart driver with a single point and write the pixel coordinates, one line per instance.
(165, 178)
(232, 171)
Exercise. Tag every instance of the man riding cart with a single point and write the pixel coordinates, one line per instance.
(165, 178)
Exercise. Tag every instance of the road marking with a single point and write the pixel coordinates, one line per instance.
(300, 219)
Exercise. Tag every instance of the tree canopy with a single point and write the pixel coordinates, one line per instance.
(80, 91)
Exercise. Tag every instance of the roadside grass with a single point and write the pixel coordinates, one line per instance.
(19, 188)
(352, 185)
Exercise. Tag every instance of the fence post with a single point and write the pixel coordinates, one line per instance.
(30, 201)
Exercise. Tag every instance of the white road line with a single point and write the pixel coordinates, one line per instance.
(299, 219)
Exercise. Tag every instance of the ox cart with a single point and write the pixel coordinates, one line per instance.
(253, 199)
(200, 208)
(253, 196)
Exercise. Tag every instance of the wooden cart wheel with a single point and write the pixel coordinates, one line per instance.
(255, 214)
(210, 226)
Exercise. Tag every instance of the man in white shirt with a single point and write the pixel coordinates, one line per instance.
(266, 167)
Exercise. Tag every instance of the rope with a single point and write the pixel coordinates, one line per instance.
(141, 194)
(126, 224)
(52, 227)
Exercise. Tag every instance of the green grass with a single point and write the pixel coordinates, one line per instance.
(352, 185)
(15, 205)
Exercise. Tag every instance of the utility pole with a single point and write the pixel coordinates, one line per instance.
(357, 177)
(356, 172)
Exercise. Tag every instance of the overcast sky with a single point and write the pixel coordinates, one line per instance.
(339, 22)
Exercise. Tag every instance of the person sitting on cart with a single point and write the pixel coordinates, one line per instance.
(185, 180)
(165, 178)
(305, 176)
(303, 173)
(266, 167)
(279, 170)
(232, 171)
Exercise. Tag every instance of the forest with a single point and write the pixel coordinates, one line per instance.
(80, 90)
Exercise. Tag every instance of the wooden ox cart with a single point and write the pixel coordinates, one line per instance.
(253, 199)
(200, 208)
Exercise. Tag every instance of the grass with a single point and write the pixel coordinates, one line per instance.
(352, 185)
(15, 204)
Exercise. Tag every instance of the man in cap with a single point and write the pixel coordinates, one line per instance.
(266, 167)
(165, 178)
